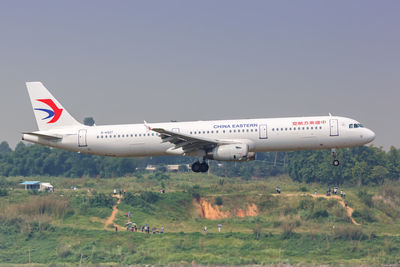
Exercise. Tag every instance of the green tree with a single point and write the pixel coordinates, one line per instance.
(378, 174)
(4, 147)
(361, 173)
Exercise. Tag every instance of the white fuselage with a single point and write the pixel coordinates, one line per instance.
(261, 135)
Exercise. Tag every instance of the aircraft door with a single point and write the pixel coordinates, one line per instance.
(263, 131)
(82, 138)
(334, 127)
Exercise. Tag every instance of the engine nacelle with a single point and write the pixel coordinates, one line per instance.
(232, 152)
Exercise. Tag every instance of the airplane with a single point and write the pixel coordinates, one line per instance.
(221, 140)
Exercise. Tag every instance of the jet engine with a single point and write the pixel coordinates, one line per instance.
(231, 152)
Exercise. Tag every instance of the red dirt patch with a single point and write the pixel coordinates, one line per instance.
(208, 211)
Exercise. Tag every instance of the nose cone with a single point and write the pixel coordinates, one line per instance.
(369, 135)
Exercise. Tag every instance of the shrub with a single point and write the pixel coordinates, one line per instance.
(3, 192)
(101, 200)
(63, 251)
(320, 213)
(364, 214)
(303, 189)
(306, 204)
(288, 229)
(366, 198)
(149, 197)
(194, 191)
(257, 231)
(218, 201)
(349, 233)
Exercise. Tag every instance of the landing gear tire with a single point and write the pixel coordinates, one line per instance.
(335, 163)
(204, 167)
(196, 166)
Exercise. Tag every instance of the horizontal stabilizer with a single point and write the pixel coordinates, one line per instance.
(46, 136)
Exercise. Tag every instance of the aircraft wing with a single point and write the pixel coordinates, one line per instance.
(187, 142)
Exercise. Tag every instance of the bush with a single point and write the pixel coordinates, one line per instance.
(364, 215)
(63, 251)
(3, 192)
(349, 233)
(303, 189)
(366, 198)
(101, 200)
(288, 229)
(320, 213)
(149, 197)
(218, 201)
(194, 191)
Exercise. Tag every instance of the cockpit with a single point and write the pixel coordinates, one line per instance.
(355, 125)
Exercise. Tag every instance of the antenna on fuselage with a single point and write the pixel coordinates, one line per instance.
(330, 115)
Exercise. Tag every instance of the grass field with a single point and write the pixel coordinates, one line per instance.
(68, 226)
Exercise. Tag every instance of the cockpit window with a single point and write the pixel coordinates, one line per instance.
(355, 125)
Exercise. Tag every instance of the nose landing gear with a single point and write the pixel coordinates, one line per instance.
(334, 155)
(200, 167)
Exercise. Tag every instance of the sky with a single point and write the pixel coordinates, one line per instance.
(129, 61)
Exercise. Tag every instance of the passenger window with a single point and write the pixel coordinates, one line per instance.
(273, 129)
(223, 131)
(255, 130)
(312, 128)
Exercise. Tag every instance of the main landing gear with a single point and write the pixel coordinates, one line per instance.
(200, 167)
(334, 155)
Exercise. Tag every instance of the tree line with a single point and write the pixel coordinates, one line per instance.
(359, 165)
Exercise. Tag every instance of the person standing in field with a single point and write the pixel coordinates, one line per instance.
(219, 227)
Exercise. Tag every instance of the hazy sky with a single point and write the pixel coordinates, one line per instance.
(126, 61)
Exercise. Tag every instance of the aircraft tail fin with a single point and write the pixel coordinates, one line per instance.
(48, 111)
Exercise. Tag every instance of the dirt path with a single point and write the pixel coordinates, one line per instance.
(341, 201)
(110, 219)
